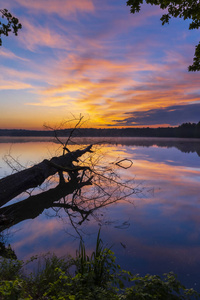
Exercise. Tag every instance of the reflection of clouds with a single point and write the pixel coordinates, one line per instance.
(156, 252)
(41, 236)
(157, 245)
(168, 154)
(175, 196)
(172, 182)
(163, 232)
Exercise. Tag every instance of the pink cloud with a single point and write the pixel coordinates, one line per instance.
(6, 53)
(60, 7)
(36, 35)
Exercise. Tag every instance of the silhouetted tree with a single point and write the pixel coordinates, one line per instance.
(8, 24)
(182, 9)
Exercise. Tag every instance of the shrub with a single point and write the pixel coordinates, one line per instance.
(96, 277)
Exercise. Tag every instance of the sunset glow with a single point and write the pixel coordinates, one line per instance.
(95, 58)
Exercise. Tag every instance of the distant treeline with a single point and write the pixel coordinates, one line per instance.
(186, 130)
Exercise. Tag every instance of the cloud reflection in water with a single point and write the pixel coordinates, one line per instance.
(163, 227)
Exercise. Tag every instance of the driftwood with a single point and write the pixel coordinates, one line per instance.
(13, 185)
(34, 205)
(106, 188)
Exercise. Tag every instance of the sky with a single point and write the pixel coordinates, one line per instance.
(96, 59)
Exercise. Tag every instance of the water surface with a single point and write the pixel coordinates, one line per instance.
(157, 232)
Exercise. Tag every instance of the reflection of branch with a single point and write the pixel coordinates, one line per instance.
(15, 184)
(119, 163)
(73, 225)
(78, 207)
(106, 186)
(35, 205)
(13, 163)
(112, 180)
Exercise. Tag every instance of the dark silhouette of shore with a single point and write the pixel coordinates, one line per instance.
(186, 130)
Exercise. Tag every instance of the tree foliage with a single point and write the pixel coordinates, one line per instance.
(8, 24)
(183, 9)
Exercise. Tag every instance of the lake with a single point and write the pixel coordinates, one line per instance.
(156, 230)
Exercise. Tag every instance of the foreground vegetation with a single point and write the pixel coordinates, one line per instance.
(85, 277)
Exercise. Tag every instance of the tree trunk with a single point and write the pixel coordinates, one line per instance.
(33, 206)
(13, 185)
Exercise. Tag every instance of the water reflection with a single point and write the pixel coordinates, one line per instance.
(160, 232)
(183, 144)
(76, 197)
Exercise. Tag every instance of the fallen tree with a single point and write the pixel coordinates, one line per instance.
(79, 182)
(13, 185)
(33, 206)
(105, 188)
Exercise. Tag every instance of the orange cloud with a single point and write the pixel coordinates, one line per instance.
(14, 85)
(94, 85)
(98, 63)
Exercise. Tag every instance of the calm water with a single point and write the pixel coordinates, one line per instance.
(157, 232)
